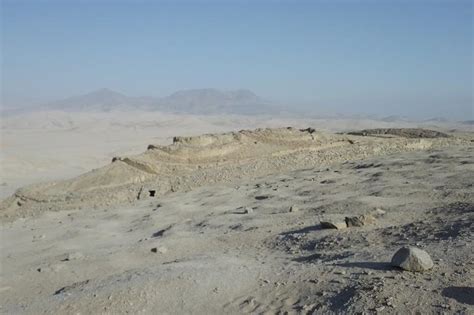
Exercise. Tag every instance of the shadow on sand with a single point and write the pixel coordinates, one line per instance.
(304, 230)
(461, 294)
(323, 257)
(368, 265)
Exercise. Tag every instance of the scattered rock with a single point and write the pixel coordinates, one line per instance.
(64, 290)
(294, 208)
(248, 210)
(366, 165)
(361, 220)
(380, 308)
(379, 212)
(38, 237)
(309, 307)
(309, 130)
(333, 225)
(74, 256)
(160, 233)
(412, 259)
(161, 250)
(328, 181)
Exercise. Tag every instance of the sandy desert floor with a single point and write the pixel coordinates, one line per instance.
(237, 248)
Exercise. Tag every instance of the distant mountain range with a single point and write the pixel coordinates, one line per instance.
(198, 101)
(203, 101)
(100, 100)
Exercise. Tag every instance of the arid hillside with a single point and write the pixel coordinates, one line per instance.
(191, 162)
(269, 221)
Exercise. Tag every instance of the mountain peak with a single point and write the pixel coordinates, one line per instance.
(100, 100)
(209, 100)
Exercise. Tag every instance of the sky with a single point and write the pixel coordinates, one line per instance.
(398, 57)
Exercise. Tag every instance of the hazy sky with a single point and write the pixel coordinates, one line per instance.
(382, 57)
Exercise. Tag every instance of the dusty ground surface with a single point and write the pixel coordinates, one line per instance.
(235, 247)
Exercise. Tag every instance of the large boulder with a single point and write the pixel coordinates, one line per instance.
(412, 259)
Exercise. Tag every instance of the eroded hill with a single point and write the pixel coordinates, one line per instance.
(213, 158)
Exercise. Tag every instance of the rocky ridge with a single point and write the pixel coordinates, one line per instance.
(208, 159)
